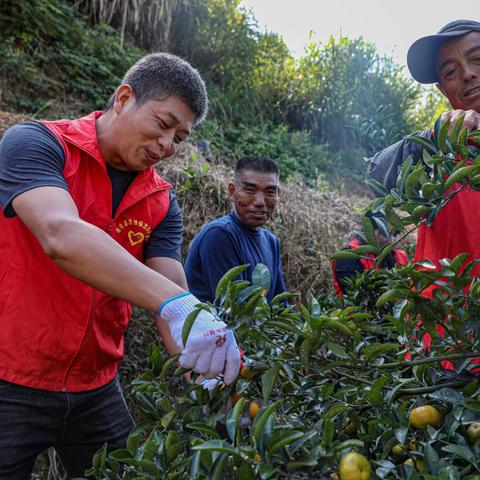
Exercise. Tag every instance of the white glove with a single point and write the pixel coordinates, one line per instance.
(211, 348)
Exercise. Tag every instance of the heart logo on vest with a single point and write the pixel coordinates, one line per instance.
(135, 238)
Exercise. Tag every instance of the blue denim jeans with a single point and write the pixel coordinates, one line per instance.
(76, 424)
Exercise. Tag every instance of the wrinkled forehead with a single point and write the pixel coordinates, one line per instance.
(458, 47)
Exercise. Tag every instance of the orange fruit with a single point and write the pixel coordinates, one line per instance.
(399, 452)
(253, 409)
(247, 374)
(235, 398)
(473, 432)
(425, 415)
(354, 466)
(416, 464)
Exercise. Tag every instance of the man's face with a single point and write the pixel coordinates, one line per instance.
(254, 197)
(458, 66)
(147, 133)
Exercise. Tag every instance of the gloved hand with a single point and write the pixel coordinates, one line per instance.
(211, 349)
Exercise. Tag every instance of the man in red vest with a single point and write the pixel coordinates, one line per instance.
(343, 270)
(88, 228)
(451, 60)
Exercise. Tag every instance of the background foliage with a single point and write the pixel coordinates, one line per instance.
(319, 115)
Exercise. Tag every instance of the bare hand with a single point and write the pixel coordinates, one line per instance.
(471, 120)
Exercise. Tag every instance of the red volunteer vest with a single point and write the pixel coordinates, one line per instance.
(57, 332)
(455, 230)
(367, 263)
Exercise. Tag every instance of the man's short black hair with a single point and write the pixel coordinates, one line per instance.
(257, 164)
(161, 75)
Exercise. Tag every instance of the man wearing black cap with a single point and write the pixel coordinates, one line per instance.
(451, 59)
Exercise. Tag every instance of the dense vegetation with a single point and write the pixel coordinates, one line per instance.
(341, 388)
(319, 115)
(330, 375)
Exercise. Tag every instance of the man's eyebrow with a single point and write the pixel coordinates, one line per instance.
(253, 184)
(468, 52)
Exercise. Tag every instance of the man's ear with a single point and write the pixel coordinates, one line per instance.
(123, 96)
(231, 190)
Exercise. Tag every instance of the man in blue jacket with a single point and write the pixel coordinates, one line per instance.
(239, 237)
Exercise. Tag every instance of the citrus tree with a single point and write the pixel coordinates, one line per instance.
(334, 387)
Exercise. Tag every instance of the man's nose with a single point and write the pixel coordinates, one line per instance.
(166, 141)
(469, 73)
(259, 199)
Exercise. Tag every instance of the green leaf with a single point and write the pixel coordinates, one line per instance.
(402, 176)
(281, 297)
(328, 432)
(194, 466)
(400, 309)
(460, 174)
(219, 446)
(204, 428)
(216, 472)
(261, 418)
(305, 349)
(268, 381)
(460, 451)
(187, 326)
(413, 179)
(227, 278)
(246, 472)
(385, 251)
(425, 143)
(345, 255)
(442, 136)
(379, 189)
(338, 326)
(390, 296)
(427, 190)
(167, 419)
(149, 467)
(261, 276)
(401, 434)
(437, 128)
(167, 365)
(431, 459)
(337, 349)
(369, 231)
(456, 131)
(352, 443)
(233, 418)
(448, 395)
(285, 440)
(121, 455)
(426, 264)
(393, 219)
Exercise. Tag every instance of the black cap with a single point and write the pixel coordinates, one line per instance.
(422, 55)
